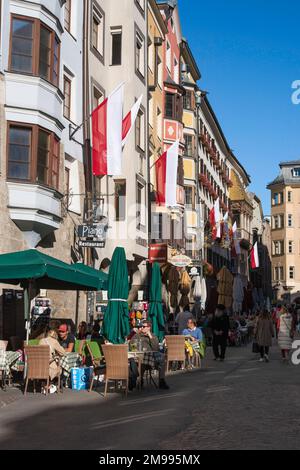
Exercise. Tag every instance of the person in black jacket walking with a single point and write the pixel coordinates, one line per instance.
(220, 328)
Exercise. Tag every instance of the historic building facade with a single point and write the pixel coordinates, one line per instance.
(41, 178)
(285, 198)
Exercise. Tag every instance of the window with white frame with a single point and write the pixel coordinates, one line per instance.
(159, 72)
(296, 172)
(141, 205)
(291, 247)
(289, 196)
(278, 247)
(159, 123)
(176, 70)
(97, 31)
(292, 272)
(68, 96)
(116, 46)
(97, 97)
(151, 115)
(168, 56)
(68, 15)
(139, 54)
(140, 4)
(290, 220)
(140, 130)
(151, 56)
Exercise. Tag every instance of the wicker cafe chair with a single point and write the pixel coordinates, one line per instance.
(98, 368)
(3, 345)
(37, 359)
(175, 349)
(116, 360)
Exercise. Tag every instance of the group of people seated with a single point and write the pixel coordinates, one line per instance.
(60, 341)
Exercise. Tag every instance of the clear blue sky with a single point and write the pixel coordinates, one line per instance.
(249, 55)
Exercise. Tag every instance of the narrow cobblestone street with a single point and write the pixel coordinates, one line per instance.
(238, 404)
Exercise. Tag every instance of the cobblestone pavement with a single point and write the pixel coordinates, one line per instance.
(238, 404)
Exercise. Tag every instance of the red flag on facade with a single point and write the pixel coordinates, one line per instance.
(107, 123)
(166, 177)
(254, 257)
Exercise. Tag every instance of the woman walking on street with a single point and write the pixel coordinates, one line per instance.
(264, 332)
(285, 333)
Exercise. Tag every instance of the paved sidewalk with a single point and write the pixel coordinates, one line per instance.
(238, 404)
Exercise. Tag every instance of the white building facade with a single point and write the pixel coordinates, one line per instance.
(41, 182)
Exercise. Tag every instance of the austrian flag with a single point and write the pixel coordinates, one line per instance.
(166, 177)
(107, 121)
(254, 257)
(129, 119)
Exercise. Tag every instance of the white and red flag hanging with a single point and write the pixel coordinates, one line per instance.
(236, 248)
(107, 127)
(129, 119)
(254, 257)
(166, 177)
(215, 220)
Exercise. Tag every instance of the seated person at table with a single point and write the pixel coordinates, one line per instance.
(82, 330)
(56, 351)
(192, 331)
(96, 331)
(149, 343)
(65, 338)
(135, 327)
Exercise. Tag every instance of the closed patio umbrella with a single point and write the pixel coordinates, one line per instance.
(116, 319)
(203, 293)
(197, 288)
(156, 311)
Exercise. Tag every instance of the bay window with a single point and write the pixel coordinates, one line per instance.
(35, 49)
(33, 155)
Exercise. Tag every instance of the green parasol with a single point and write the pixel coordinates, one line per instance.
(156, 311)
(116, 319)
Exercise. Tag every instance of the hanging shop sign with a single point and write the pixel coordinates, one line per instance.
(95, 231)
(92, 235)
(91, 244)
(158, 253)
(180, 260)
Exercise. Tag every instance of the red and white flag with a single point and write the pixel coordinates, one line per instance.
(236, 244)
(215, 220)
(129, 120)
(214, 214)
(107, 123)
(166, 177)
(254, 257)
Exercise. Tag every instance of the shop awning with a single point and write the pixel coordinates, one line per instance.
(48, 272)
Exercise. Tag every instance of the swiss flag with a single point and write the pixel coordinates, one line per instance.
(254, 257)
(107, 127)
(166, 177)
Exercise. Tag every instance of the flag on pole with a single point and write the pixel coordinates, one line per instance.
(214, 214)
(254, 257)
(166, 177)
(107, 123)
(236, 245)
(215, 220)
(129, 120)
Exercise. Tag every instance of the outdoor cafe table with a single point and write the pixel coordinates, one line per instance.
(8, 360)
(69, 361)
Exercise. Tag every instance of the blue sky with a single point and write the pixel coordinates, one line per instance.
(249, 55)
